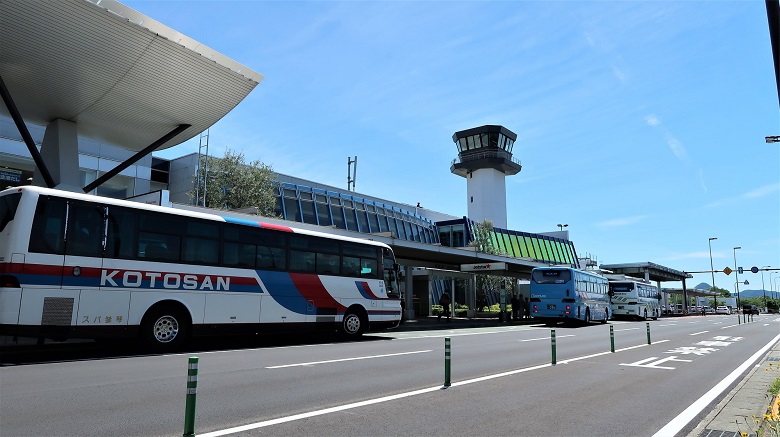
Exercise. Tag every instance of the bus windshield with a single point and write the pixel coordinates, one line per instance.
(390, 273)
(551, 276)
(8, 206)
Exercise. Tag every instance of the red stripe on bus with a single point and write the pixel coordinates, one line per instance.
(275, 227)
(311, 288)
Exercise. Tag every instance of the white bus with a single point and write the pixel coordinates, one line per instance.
(634, 300)
(79, 266)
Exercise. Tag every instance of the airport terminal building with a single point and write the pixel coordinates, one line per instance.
(100, 142)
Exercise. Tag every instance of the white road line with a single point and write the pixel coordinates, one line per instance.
(697, 333)
(312, 363)
(676, 424)
(300, 416)
(729, 326)
(546, 338)
(627, 329)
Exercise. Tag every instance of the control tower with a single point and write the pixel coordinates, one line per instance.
(485, 160)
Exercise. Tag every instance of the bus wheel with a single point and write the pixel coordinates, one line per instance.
(606, 317)
(587, 316)
(164, 327)
(353, 324)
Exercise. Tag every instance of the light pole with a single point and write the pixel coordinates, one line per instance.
(772, 284)
(560, 226)
(712, 270)
(736, 272)
(763, 288)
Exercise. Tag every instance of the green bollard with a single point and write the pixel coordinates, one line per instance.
(648, 332)
(447, 361)
(552, 343)
(739, 319)
(192, 391)
(612, 338)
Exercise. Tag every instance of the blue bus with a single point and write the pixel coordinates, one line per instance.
(563, 294)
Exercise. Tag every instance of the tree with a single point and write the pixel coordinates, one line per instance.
(483, 240)
(232, 184)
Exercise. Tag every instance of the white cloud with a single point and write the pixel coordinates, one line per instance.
(756, 193)
(763, 191)
(676, 147)
(620, 75)
(652, 120)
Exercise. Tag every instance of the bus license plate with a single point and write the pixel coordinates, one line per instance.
(620, 307)
(550, 307)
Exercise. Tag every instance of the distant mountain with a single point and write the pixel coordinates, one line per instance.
(742, 293)
(754, 293)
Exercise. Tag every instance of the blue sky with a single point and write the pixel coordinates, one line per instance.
(641, 125)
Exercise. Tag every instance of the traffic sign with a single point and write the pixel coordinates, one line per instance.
(727, 271)
(754, 269)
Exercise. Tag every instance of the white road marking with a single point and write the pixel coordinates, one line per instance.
(682, 419)
(313, 363)
(315, 413)
(697, 333)
(546, 338)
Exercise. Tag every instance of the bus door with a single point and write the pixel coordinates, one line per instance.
(85, 239)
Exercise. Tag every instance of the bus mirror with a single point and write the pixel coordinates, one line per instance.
(396, 267)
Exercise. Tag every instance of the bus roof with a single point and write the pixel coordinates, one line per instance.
(215, 216)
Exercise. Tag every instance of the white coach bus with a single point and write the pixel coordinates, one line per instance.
(634, 299)
(80, 266)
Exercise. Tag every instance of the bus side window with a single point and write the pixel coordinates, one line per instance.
(85, 230)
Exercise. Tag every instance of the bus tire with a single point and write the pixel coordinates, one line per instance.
(165, 327)
(606, 317)
(354, 324)
(587, 316)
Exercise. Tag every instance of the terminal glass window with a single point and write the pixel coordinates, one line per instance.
(337, 213)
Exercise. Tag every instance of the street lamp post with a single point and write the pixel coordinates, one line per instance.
(763, 288)
(712, 270)
(772, 284)
(736, 272)
(560, 226)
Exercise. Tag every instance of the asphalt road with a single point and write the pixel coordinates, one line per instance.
(502, 379)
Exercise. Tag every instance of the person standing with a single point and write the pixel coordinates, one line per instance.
(444, 301)
(526, 308)
(515, 307)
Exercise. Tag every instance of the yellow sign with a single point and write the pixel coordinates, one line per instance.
(727, 271)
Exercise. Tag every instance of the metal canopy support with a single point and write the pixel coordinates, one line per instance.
(773, 17)
(133, 159)
(9, 103)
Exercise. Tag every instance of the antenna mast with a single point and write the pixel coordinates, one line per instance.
(351, 180)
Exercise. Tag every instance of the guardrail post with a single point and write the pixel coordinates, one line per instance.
(612, 338)
(446, 361)
(192, 391)
(552, 343)
(648, 332)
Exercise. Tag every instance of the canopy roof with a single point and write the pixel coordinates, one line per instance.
(123, 78)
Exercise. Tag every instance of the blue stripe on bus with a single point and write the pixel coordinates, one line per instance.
(283, 290)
